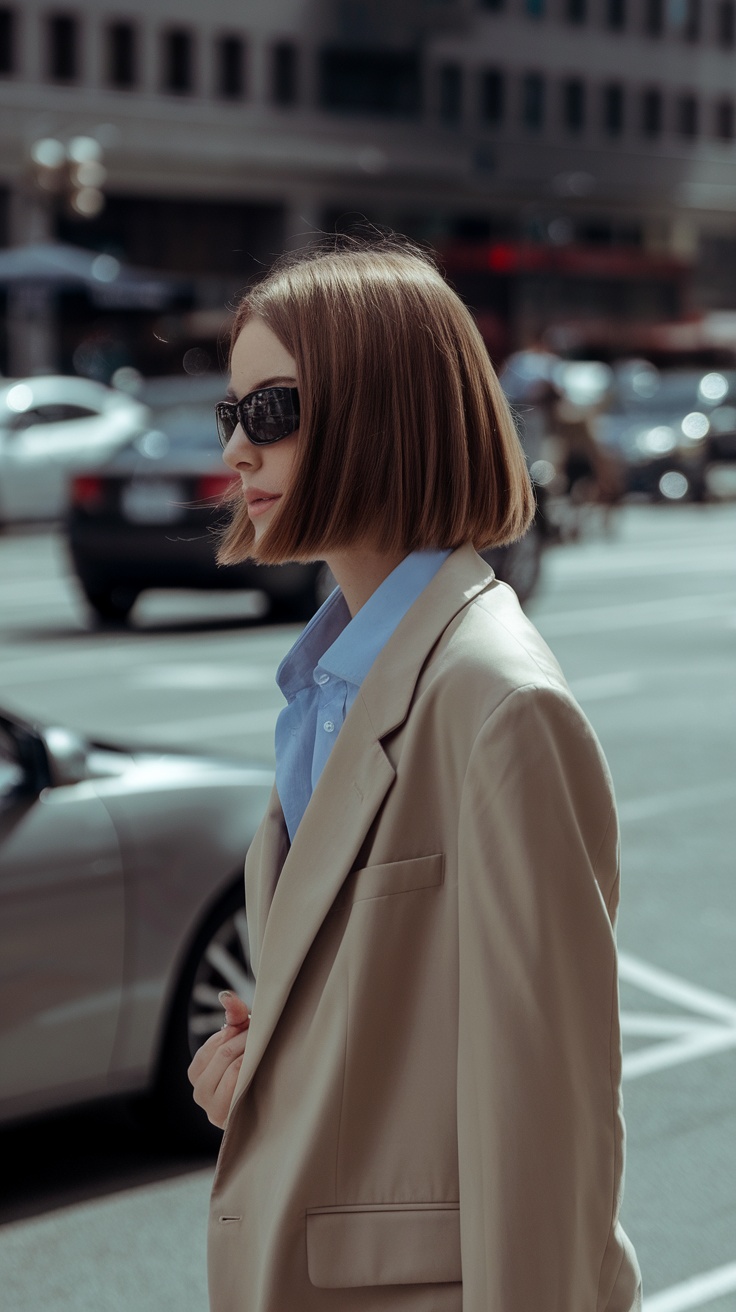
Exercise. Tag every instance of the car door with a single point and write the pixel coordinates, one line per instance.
(61, 941)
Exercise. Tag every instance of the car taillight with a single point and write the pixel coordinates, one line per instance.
(214, 487)
(87, 491)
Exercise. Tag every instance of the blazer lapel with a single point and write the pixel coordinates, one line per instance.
(352, 786)
(291, 890)
(263, 864)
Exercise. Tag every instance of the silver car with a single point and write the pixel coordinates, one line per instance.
(51, 427)
(121, 917)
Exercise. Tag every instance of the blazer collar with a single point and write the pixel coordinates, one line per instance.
(388, 688)
(289, 907)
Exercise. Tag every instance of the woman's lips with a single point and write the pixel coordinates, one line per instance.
(258, 505)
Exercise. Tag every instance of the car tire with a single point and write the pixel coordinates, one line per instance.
(111, 606)
(219, 959)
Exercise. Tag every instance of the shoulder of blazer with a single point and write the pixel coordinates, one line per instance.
(465, 626)
(494, 644)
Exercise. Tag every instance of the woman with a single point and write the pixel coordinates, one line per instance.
(423, 1111)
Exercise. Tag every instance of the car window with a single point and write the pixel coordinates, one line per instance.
(57, 413)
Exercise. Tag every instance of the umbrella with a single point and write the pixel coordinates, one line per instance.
(110, 284)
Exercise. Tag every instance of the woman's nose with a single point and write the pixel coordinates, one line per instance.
(240, 452)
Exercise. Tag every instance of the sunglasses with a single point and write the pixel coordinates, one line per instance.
(265, 416)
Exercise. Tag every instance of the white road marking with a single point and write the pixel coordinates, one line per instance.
(673, 989)
(686, 1037)
(657, 1025)
(218, 726)
(598, 687)
(645, 808)
(695, 1292)
(662, 1056)
(207, 676)
(133, 652)
(637, 614)
(613, 561)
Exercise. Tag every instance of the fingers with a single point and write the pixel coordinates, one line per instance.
(218, 1110)
(213, 1071)
(204, 1055)
(237, 1012)
(214, 1080)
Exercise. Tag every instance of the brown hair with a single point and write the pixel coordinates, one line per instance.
(405, 436)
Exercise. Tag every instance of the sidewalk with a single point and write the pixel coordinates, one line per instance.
(142, 1250)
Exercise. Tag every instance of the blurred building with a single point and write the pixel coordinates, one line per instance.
(601, 131)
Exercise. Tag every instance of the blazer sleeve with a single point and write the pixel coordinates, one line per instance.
(540, 1131)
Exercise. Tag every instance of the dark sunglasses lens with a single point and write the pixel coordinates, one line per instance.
(271, 414)
(226, 421)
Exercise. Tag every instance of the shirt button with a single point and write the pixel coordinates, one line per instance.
(328, 726)
(323, 678)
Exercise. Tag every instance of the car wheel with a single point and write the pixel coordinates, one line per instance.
(518, 564)
(111, 606)
(219, 959)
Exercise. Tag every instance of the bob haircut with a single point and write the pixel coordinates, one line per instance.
(405, 437)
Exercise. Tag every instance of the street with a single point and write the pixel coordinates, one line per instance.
(644, 624)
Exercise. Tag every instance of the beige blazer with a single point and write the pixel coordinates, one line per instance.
(427, 1118)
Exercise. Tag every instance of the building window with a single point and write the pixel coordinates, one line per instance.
(492, 96)
(577, 11)
(385, 82)
(653, 17)
(691, 21)
(451, 93)
(727, 24)
(651, 112)
(616, 15)
(230, 71)
(532, 102)
(534, 8)
(725, 120)
(285, 73)
(687, 116)
(121, 55)
(573, 104)
(63, 48)
(7, 41)
(178, 72)
(613, 109)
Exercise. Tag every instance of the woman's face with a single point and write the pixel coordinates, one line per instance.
(260, 360)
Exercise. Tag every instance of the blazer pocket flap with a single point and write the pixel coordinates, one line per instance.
(348, 1248)
(398, 877)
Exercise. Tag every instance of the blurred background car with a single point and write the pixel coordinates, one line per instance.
(667, 427)
(51, 426)
(149, 517)
(121, 918)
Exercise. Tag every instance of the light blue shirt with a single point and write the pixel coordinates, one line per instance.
(321, 675)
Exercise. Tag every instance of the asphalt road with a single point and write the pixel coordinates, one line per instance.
(92, 1216)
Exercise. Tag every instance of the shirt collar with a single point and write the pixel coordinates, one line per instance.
(345, 647)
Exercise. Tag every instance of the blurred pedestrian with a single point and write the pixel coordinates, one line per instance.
(423, 1110)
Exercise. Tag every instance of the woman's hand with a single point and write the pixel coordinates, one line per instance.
(214, 1070)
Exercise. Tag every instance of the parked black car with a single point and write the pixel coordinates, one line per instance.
(148, 517)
